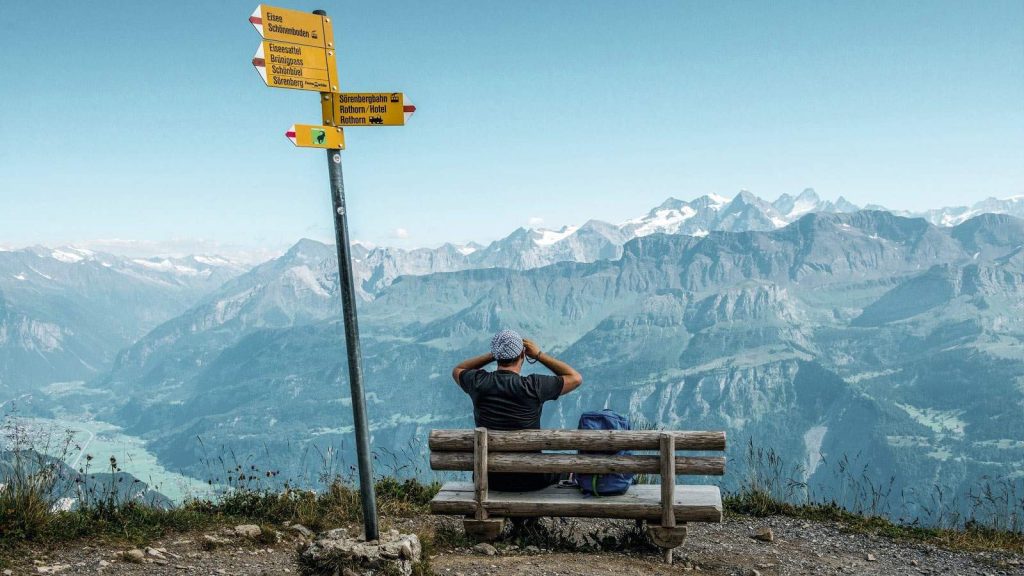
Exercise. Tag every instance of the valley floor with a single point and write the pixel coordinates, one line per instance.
(798, 547)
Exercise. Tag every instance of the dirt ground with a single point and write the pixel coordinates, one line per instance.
(798, 547)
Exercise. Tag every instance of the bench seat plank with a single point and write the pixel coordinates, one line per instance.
(693, 503)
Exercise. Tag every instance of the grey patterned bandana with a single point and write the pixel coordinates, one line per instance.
(506, 345)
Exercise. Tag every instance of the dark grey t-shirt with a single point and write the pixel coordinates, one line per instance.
(504, 400)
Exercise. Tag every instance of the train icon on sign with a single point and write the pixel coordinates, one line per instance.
(395, 98)
(376, 120)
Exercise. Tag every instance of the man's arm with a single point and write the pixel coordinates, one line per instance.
(571, 379)
(474, 363)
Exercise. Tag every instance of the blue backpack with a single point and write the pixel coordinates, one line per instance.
(604, 484)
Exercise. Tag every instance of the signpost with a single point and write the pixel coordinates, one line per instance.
(293, 26)
(366, 109)
(298, 53)
(283, 65)
(306, 136)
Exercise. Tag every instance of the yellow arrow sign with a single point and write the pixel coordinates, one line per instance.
(293, 26)
(307, 136)
(298, 67)
(366, 109)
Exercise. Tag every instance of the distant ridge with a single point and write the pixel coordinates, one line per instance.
(527, 248)
(65, 312)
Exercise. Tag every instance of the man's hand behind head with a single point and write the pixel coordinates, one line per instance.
(571, 379)
(532, 350)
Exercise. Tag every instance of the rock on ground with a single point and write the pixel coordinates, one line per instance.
(336, 551)
(248, 530)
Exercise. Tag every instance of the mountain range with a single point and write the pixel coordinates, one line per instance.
(816, 329)
(376, 267)
(852, 334)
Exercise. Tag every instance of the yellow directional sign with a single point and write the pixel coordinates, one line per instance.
(308, 136)
(293, 26)
(283, 65)
(366, 109)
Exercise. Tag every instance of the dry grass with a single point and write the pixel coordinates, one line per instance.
(994, 520)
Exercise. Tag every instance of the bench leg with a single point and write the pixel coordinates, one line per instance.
(486, 530)
(667, 538)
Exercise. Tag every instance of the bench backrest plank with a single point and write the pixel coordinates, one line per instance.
(592, 440)
(581, 463)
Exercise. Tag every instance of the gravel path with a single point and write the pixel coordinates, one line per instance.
(797, 547)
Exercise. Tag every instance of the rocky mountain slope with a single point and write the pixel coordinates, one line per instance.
(886, 340)
(65, 313)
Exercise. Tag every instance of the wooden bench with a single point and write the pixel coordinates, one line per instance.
(666, 508)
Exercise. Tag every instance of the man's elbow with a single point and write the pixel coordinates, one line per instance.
(456, 372)
(571, 382)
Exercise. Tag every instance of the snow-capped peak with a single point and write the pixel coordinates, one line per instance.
(549, 237)
(65, 256)
(717, 201)
(667, 221)
(167, 265)
(212, 260)
(71, 254)
(807, 201)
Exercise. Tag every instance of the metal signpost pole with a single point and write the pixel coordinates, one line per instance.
(355, 357)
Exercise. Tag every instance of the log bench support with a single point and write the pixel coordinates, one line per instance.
(481, 526)
(666, 508)
(483, 530)
(668, 536)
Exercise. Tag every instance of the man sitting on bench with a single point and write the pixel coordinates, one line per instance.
(506, 400)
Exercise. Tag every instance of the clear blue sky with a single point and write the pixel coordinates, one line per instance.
(146, 120)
